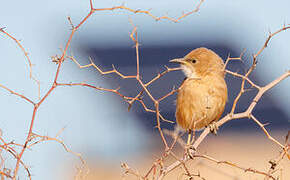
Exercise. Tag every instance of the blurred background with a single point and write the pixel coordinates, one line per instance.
(97, 124)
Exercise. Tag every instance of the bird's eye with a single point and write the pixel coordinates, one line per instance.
(193, 60)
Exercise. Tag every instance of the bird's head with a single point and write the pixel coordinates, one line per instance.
(201, 62)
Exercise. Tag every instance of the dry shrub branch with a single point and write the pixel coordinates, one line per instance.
(158, 170)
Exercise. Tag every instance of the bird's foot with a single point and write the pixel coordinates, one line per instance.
(213, 127)
(189, 151)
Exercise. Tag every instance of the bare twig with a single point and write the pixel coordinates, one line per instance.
(26, 56)
(235, 166)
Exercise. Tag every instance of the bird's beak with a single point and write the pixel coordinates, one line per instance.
(178, 60)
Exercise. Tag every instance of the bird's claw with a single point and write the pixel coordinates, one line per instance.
(189, 151)
(213, 127)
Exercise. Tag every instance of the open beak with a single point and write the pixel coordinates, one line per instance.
(178, 60)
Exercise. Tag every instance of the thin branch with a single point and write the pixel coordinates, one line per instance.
(47, 138)
(228, 117)
(17, 94)
(150, 14)
(26, 56)
(129, 170)
(244, 78)
(266, 132)
(235, 165)
(271, 35)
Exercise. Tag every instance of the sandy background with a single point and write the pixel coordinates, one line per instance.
(249, 150)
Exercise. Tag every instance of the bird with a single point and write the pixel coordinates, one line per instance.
(202, 96)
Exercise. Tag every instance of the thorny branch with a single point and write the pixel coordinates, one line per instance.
(274, 163)
(59, 61)
(230, 116)
(234, 165)
(149, 13)
(245, 114)
(26, 56)
(36, 139)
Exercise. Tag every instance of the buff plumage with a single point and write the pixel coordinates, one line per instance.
(202, 96)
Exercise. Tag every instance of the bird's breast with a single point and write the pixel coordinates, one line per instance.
(200, 102)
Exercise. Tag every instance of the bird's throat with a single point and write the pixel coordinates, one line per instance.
(189, 72)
